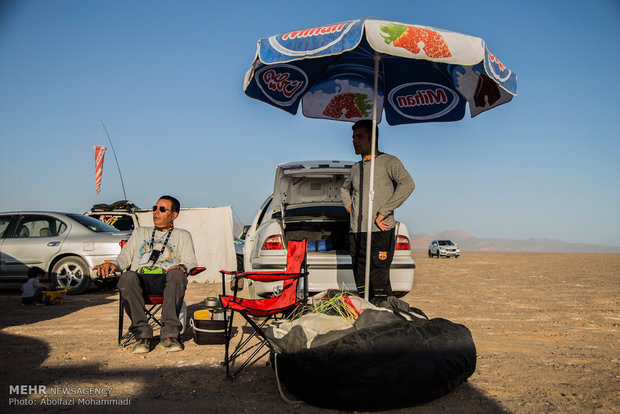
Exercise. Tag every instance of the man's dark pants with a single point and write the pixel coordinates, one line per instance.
(173, 292)
(381, 255)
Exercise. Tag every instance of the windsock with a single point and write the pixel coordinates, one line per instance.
(99, 154)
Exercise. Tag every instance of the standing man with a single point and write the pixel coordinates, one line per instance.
(155, 260)
(393, 184)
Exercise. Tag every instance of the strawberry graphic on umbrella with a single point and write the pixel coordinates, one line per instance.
(409, 38)
(351, 105)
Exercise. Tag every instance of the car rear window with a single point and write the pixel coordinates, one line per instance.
(93, 224)
(122, 222)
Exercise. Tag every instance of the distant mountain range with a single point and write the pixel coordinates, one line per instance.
(468, 242)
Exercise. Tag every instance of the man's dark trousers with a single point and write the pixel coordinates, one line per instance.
(173, 292)
(381, 255)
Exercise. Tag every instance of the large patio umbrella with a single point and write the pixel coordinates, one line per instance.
(359, 68)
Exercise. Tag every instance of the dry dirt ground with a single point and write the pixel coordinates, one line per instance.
(545, 328)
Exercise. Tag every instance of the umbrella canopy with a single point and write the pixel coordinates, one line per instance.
(359, 69)
(425, 74)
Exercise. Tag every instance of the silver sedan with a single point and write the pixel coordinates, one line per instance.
(65, 245)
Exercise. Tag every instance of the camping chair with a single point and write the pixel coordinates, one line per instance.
(268, 308)
(152, 308)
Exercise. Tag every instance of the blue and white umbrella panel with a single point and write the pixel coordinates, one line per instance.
(425, 74)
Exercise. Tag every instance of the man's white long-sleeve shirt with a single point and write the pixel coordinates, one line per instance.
(179, 249)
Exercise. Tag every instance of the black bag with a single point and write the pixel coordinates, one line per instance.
(119, 205)
(152, 279)
(382, 362)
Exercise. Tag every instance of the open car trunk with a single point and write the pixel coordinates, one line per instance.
(325, 235)
(306, 202)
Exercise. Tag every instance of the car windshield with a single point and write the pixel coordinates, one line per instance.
(93, 224)
(445, 243)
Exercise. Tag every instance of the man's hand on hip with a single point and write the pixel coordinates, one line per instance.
(381, 223)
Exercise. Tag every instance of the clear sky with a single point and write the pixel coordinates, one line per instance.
(165, 77)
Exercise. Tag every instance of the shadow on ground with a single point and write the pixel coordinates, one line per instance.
(194, 386)
(191, 389)
(15, 313)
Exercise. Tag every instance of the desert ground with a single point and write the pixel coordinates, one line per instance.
(545, 327)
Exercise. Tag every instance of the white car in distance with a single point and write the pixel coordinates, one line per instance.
(443, 248)
(306, 204)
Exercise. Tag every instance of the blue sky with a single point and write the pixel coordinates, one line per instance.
(166, 79)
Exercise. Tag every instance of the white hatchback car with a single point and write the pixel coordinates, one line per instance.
(306, 204)
(443, 248)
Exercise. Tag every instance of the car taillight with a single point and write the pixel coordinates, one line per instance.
(273, 243)
(122, 243)
(402, 243)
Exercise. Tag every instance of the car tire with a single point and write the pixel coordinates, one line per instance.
(72, 272)
(430, 254)
(108, 283)
(239, 263)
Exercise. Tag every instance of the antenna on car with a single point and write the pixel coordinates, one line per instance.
(116, 159)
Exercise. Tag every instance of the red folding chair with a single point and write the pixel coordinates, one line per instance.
(152, 307)
(284, 304)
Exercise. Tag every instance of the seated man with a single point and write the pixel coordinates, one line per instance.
(159, 258)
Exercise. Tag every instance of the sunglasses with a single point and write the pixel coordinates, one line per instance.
(161, 208)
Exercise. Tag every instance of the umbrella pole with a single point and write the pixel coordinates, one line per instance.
(371, 188)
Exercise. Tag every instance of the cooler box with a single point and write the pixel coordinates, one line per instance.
(206, 330)
(319, 245)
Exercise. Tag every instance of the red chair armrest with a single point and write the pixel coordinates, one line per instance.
(195, 270)
(270, 276)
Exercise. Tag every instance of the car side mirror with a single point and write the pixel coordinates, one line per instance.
(244, 232)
